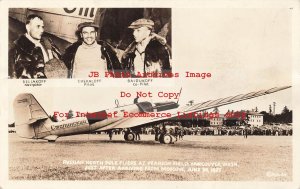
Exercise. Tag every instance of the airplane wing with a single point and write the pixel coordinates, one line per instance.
(197, 107)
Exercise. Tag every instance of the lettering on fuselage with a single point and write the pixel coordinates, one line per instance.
(86, 12)
(68, 125)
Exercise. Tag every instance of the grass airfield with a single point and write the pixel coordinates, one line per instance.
(196, 158)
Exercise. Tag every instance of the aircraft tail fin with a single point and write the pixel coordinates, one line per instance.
(27, 111)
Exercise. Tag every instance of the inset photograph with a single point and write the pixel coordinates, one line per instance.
(89, 43)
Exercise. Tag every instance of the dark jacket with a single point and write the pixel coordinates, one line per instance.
(108, 54)
(26, 61)
(155, 52)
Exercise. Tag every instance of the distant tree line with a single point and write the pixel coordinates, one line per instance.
(286, 116)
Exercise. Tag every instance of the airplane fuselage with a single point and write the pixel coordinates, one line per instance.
(50, 130)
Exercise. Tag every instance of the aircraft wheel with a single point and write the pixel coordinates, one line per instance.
(126, 136)
(167, 139)
(130, 136)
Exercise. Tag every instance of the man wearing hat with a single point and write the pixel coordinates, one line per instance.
(148, 54)
(88, 55)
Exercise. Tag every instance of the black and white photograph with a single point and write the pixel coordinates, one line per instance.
(89, 42)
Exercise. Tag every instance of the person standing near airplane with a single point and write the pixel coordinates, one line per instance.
(87, 55)
(110, 134)
(32, 51)
(245, 133)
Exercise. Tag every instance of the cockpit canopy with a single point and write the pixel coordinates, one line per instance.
(157, 107)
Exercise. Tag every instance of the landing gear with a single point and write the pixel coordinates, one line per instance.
(162, 137)
(166, 139)
(130, 136)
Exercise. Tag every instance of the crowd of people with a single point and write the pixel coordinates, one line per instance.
(179, 131)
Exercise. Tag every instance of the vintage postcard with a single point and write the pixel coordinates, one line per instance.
(150, 94)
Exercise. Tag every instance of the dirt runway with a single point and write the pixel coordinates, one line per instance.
(202, 158)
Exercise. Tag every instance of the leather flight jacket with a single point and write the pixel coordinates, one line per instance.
(156, 52)
(26, 61)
